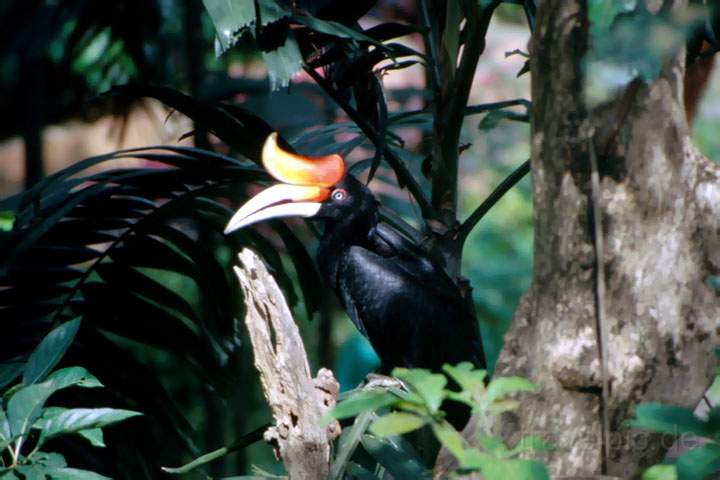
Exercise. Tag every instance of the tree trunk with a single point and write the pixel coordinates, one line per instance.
(659, 206)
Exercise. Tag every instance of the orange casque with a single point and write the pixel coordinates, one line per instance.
(296, 169)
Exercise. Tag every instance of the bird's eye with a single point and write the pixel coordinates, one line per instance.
(339, 194)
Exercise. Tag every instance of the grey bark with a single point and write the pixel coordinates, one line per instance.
(659, 201)
(297, 400)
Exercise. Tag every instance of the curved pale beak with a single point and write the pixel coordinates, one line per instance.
(279, 201)
(305, 186)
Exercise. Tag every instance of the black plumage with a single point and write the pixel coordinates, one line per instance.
(406, 305)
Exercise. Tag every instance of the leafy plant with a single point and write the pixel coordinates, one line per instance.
(695, 463)
(120, 250)
(27, 424)
(421, 405)
(138, 252)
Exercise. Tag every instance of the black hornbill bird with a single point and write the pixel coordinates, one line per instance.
(406, 305)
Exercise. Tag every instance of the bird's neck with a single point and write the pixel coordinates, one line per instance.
(338, 237)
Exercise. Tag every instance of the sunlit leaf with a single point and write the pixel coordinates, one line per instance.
(76, 419)
(503, 386)
(396, 423)
(467, 376)
(531, 443)
(361, 402)
(450, 438)
(428, 385)
(661, 472)
(493, 467)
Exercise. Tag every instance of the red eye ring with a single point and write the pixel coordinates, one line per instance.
(339, 194)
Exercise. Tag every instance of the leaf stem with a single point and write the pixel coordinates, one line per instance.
(509, 182)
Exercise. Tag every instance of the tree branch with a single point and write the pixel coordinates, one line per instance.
(297, 400)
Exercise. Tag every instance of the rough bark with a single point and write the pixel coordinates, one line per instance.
(297, 400)
(659, 202)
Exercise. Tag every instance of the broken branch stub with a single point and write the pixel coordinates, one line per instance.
(297, 400)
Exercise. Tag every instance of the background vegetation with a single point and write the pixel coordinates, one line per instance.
(139, 256)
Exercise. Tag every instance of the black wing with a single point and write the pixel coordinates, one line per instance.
(407, 306)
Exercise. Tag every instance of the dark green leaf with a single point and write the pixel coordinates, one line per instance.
(75, 474)
(699, 462)
(44, 358)
(397, 456)
(307, 274)
(347, 444)
(50, 459)
(73, 376)
(668, 419)
(334, 28)
(94, 436)
(9, 372)
(357, 472)
(5, 435)
(26, 405)
(32, 471)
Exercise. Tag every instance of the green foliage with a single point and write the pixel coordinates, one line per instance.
(26, 423)
(44, 358)
(695, 463)
(420, 405)
(647, 41)
(7, 219)
(120, 250)
(136, 253)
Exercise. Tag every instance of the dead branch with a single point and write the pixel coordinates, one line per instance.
(297, 400)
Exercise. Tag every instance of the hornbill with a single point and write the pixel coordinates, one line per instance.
(406, 305)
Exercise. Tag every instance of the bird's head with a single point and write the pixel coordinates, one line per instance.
(316, 187)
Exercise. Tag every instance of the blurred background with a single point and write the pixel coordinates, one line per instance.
(57, 58)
